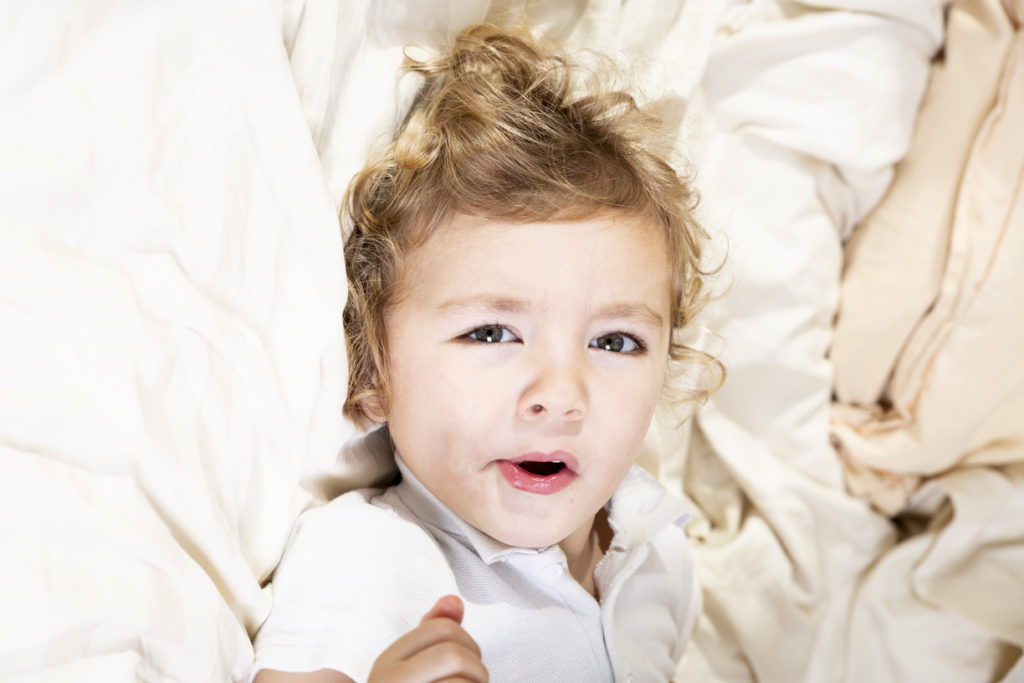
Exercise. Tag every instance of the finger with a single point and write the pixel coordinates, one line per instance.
(448, 606)
(442, 662)
(428, 634)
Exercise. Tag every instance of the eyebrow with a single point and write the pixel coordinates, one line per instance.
(492, 304)
(638, 312)
(641, 313)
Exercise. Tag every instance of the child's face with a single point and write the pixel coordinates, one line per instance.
(528, 342)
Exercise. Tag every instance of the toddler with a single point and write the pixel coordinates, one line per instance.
(518, 263)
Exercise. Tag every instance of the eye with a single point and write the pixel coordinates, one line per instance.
(617, 342)
(491, 334)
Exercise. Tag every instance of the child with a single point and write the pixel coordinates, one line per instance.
(518, 263)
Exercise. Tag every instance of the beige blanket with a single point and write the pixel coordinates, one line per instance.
(929, 411)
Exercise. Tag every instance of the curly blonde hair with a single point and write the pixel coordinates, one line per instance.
(500, 130)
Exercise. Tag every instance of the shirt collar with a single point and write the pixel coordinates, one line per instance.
(639, 508)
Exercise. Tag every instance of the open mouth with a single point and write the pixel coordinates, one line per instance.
(543, 469)
(540, 473)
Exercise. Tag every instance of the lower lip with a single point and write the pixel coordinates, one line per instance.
(520, 479)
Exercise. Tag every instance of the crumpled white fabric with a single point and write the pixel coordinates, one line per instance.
(804, 111)
(171, 289)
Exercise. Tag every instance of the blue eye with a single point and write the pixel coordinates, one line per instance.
(491, 334)
(617, 342)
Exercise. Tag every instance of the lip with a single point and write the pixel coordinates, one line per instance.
(520, 479)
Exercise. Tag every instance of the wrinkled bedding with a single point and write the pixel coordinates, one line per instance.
(930, 426)
(172, 362)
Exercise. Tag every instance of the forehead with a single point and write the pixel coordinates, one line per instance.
(604, 256)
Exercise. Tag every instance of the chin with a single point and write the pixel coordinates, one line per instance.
(528, 539)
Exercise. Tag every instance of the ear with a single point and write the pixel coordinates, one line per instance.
(373, 408)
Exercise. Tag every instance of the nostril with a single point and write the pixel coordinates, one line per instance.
(536, 408)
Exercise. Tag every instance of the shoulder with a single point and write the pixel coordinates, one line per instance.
(337, 515)
(335, 602)
(360, 534)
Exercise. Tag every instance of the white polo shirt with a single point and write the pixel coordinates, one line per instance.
(361, 571)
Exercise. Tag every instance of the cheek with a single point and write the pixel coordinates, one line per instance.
(480, 392)
(635, 405)
(445, 405)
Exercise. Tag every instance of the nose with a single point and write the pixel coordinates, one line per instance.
(557, 391)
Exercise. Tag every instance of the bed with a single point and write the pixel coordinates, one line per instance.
(172, 363)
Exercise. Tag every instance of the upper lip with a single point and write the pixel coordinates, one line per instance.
(554, 456)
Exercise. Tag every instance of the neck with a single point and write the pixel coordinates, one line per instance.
(585, 547)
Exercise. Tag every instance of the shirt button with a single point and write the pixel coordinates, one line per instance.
(551, 572)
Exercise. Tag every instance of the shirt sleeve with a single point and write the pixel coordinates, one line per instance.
(354, 577)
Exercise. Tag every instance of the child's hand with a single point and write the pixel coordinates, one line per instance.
(439, 649)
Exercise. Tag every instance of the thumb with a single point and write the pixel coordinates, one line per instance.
(448, 607)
